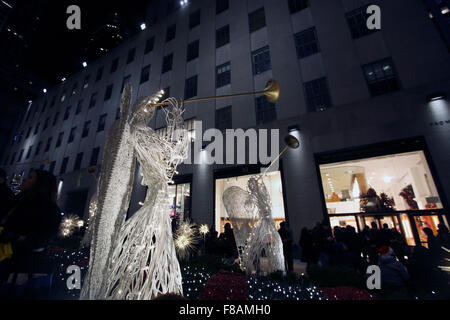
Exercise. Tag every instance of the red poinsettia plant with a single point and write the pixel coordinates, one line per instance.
(408, 194)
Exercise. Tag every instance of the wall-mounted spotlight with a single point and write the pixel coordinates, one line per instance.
(293, 128)
(183, 2)
(84, 64)
(143, 26)
(436, 96)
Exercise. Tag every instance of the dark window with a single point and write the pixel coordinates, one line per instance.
(108, 92)
(101, 123)
(114, 65)
(20, 156)
(60, 139)
(86, 127)
(224, 118)
(357, 21)
(94, 157)
(67, 113)
(192, 50)
(297, 5)
(36, 129)
(172, 6)
(86, 82)
(125, 81)
(145, 74)
(29, 152)
(73, 131)
(55, 119)
(261, 60)
(166, 94)
(28, 133)
(257, 19)
(131, 55)
(306, 43)
(222, 36)
(167, 63)
(223, 75)
(52, 103)
(74, 89)
(194, 19)
(171, 32)
(64, 165)
(190, 89)
(20, 137)
(52, 167)
(79, 107)
(12, 159)
(78, 160)
(48, 145)
(265, 110)
(46, 124)
(118, 113)
(381, 77)
(317, 95)
(44, 106)
(149, 44)
(99, 74)
(221, 6)
(93, 100)
(38, 149)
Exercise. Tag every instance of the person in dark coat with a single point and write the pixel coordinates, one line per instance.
(286, 237)
(32, 220)
(394, 274)
(6, 195)
(307, 245)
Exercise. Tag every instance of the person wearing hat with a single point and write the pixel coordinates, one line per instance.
(394, 274)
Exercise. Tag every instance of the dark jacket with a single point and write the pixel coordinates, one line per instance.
(393, 273)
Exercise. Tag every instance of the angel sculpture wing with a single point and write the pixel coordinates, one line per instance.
(253, 226)
(114, 193)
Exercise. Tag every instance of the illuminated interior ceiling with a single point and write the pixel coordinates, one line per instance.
(380, 172)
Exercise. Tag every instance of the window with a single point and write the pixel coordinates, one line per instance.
(171, 32)
(131, 55)
(166, 94)
(64, 165)
(67, 113)
(74, 89)
(221, 6)
(223, 75)
(30, 149)
(51, 104)
(52, 167)
(114, 65)
(357, 21)
(274, 186)
(36, 129)
(86, 82)
(265, 110)
(93, 100)
(55, 119)
(381, 77)
(101, 123)
(172, 6)
(145, 74)
(79, 107)
(222, 36)
(149, 44)
(63, 96)
(118, 113)
(192, 50)
(60, 139)
(306, 43)
(317, 95)
(20, 137)
(44, 106)
(194, 19)
(28, 133)
(297, 5)
(86, 127)
(261, 60)
(38, 149)
(94, 157)
(72, 134)
(48, 145)
(12, 159)
(190, 89)
(108, 92)
(20, 155)
(224, 118)
(99, 74)
(125, 80)
(167, 63)
(180, 198)
(78, 160)
(46, 124)
(257, 20)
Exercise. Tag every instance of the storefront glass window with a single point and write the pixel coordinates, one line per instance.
(180, 206)
(379, 185)
(273, 183)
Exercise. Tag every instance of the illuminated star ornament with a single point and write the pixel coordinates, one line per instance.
(69, 224)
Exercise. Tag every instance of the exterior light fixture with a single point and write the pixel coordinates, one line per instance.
(63, 79)
(183, 2)
(436, 96)
(84, 64)
(293, 128)
(143, 26)
(44, 90)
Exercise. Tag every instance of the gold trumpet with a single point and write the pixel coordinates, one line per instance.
(272, 93)
(291, 142)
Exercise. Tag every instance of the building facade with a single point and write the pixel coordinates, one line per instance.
(369, 107)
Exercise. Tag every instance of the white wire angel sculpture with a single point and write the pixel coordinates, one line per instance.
(141, 260)
(250, 212)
